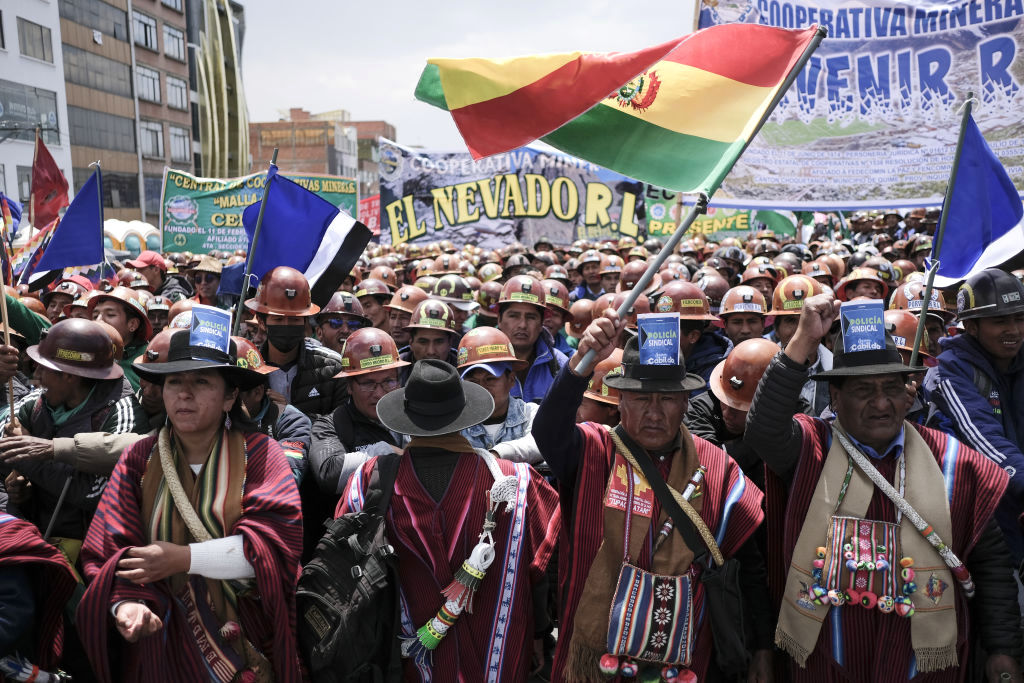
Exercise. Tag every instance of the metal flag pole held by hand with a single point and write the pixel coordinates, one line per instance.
(702, 203)
(937, 245)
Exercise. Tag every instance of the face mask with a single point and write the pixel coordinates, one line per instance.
(285, 338)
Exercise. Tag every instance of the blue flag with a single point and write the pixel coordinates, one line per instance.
(78, 239)
(304, 231)
(984, 206)
(231, 279)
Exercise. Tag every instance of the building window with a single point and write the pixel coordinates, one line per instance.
(144, 31)
(152, 141)
(26, 107)
(3, 40)
(120, 190)
(96, 15)
(95, 71)
(152, 186)
(147, 82)
(174, 43)
(173, 4)
(35, 40)
(3, 179)
(101, 130)
(24, 184)
(181, 143)
(177, 93)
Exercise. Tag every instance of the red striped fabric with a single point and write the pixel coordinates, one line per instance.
(21, 545)
(271, 525)
(979, 485)
(583, 515)
(433, 539)
(719, 50)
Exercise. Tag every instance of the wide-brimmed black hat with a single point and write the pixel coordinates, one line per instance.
(434, 401)
(661, 379)
(885, 361)
(183, 357)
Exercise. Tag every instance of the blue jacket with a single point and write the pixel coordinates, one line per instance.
(547, 362)
(562, 344)
(710, 349)
(582, 292)
(992, 424)
(518, 421)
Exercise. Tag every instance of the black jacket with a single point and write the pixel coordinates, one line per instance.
(341, 443)
(314, 391)
(175, 288)
(405, 353)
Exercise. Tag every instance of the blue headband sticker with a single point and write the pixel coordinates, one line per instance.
(863, 325)
(211, 328)
(658, 338)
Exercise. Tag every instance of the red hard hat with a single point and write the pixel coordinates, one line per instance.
(522, 289)
(596, 388)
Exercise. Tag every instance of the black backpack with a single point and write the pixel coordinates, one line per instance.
(347, 596)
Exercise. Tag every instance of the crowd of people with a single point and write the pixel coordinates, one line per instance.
(772, 507)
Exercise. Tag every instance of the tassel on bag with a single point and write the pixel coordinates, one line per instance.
(459, 593)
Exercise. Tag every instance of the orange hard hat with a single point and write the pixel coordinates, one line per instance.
(818, 269)
(582, 312)
(790, 293)
(910, 297)
(487, 345)
(386, 275)
(684, 298)
(760, 270)
(432, 314)
(640, 306)
(734, 380)
(743, 299)
(556, 295)
(406, 297)
(902, 326)
(857, 274)
(597, 389)
(283, 291)
(369, 350)
(522, 289)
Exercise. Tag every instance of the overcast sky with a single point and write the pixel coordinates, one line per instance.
(366, 55)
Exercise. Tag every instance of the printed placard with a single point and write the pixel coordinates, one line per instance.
(863, 325)
(211, 328)
(658, 338)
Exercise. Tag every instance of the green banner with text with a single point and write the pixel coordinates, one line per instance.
(203, 214)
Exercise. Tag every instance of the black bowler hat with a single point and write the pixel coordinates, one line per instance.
(184, 357)
(434, 401)
(885, 361)
(660, 379)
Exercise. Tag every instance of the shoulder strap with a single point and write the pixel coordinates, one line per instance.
(181, 501)
(382, 483)
(693, 529)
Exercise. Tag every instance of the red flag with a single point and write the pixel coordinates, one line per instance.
(49, 187)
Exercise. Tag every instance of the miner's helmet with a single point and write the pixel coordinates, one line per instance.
(455, 291)
(684, 298)
(734, 380)
(132, 304)
(343, 303)
(78, 347)
(406, 297)
(283, 291)
(743, 299)
(596, 388)
(249, 357)
(582, 312)
(485, 345)
(556, 295)
(375, 288)
(369, 350)
(910, 297)
(791, 292)
(990, 293)
(902, 327)
(522, 289)
(432, 314)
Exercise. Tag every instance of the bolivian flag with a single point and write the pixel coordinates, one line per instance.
(678, 115)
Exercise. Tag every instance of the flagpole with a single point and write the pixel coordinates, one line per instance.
(701, 206)
(937, 244)
(252, 250)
